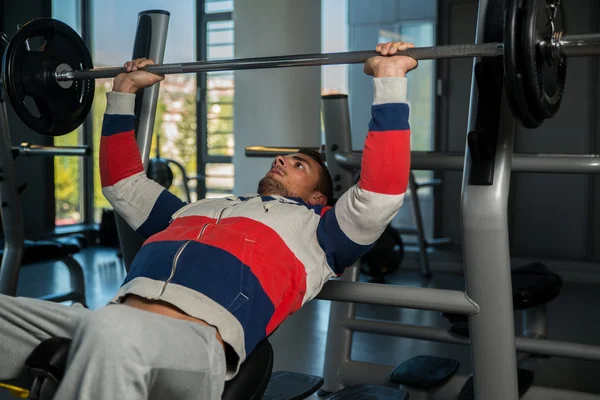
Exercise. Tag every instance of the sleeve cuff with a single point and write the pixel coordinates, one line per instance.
(119, 103)
(390, 90)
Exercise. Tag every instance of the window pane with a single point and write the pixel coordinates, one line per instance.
(220, 52)
(68, 11)
(220, 25)
(115, 25)
(219, 180)
(68, 183)
(215, 6)
(68, 176)
(220, 36)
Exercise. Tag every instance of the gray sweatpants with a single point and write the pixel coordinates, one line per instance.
(118, 352)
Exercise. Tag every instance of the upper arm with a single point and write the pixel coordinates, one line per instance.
(144, 204)
(349, 229)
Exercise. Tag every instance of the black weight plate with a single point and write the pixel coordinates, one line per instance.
(29, 73)
(514, 74)
(545, 81)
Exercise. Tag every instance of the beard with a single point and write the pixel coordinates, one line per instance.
(269, 187)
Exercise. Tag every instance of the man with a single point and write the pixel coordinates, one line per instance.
(215, 277)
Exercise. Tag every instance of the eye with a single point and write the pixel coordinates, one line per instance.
(299, 165)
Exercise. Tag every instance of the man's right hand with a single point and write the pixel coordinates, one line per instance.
(134, 80)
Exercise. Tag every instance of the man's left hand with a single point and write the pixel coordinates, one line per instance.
(384, 66)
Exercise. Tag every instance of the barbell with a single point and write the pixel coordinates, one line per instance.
(59, 75)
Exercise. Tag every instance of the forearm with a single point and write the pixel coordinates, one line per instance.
(143, 203)
(385, 161)
(119, 154)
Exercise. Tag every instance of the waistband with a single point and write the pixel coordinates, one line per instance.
(196, 305)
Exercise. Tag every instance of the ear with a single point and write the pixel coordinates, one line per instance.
(317, 198)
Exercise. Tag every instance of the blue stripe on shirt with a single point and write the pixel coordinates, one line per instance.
(114, 124)
(160, 216)
(389, 117)
(340, 250)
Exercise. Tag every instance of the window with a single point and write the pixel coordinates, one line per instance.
(217, 124)
(113, 38)
(68, 171)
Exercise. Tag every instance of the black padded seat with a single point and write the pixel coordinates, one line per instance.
(36, 251)
(73, 243)
(44, 250)
(533, 285)
(57, 250)
(252, 379)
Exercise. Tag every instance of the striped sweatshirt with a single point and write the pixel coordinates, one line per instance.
(245, 264)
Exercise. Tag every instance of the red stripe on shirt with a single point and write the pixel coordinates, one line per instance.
(386, 162)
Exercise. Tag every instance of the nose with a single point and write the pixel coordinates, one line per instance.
(279, 161)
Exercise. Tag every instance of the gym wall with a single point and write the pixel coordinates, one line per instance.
(275, 107)
(37, 201)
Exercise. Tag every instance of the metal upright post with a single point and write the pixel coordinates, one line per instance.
(484, 202)
(336, 119)
(419, 228)
(10, 209)
(338, 139)
(338, 348)
(150, 42)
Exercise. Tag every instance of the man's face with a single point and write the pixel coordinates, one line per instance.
(294, 175)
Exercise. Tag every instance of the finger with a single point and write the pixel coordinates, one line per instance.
(145, 63)
(403, 45)
(378, 48)
(386, 48)
(140, 62)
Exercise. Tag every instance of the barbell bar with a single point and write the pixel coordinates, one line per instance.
(298, 60)
(567, 46)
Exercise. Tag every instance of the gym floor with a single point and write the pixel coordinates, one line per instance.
(300, 342)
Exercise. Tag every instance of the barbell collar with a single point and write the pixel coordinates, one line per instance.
(583, 45)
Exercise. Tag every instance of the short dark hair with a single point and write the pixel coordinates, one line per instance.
(325, 184)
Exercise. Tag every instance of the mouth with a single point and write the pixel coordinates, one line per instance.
(275, 171)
